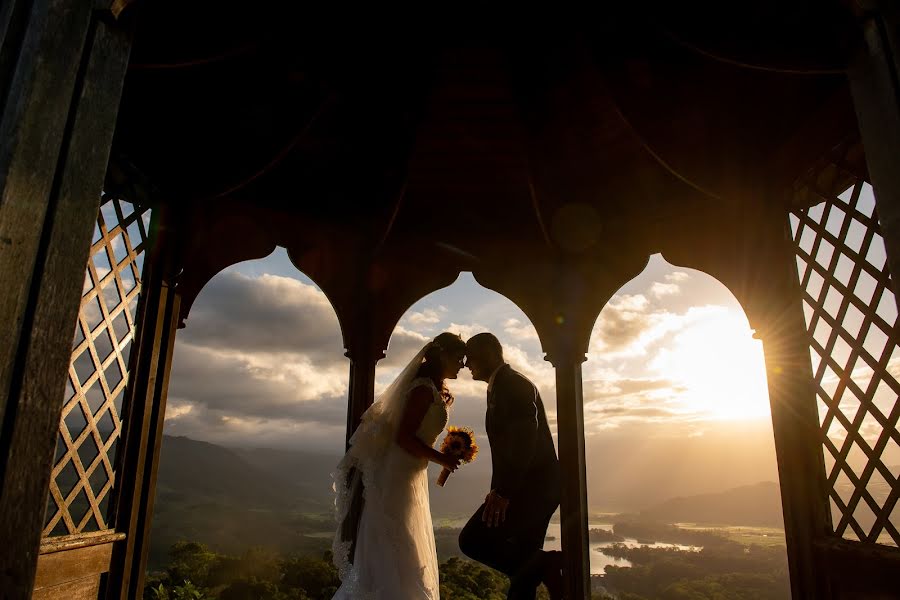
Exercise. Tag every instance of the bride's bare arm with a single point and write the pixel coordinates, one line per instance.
(419, 401)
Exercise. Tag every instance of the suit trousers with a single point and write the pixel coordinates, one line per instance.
(515, 546)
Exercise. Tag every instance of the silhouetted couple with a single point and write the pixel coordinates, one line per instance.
(391, 554)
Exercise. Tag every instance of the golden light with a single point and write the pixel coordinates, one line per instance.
(718, 365)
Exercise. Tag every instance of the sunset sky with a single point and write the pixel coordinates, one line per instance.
(674, 384)
(672, 369)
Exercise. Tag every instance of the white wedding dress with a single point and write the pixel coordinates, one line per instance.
(395, 556)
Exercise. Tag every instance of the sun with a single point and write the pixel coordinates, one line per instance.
(717, 366)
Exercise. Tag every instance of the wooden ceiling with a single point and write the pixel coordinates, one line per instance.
(545, 127)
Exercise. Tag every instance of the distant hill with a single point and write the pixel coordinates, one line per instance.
(232, 499)
(196, 471)
(756, 505)
(310, 476)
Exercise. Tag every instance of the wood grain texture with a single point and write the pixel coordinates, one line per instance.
(573, 510)
(875, 83)
(70, 565)
(32, 129)
(57, 130)
(87, 588)
(146, 398)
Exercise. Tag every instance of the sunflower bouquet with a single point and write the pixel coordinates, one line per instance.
(459, 442)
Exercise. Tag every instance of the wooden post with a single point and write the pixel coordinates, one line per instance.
(795, 420)
(573, 506)
(361, 394)
(875, 83)
(562, 298)
(363, 359)
(61, 70)
(158, 316)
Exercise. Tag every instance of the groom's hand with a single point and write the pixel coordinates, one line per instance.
(495, 507)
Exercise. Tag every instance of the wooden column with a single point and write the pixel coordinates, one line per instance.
(747, 246)
(875, 83)
(795, 419)
(363, 359)
(573, 506)
(158, 316)
(562, 297)
(62, 64)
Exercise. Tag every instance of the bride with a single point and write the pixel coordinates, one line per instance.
(391, 554)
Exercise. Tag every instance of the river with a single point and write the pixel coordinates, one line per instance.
(599, 560)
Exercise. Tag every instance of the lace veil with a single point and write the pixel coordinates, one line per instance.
(368, 445)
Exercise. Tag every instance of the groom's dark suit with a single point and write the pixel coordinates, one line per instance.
(525, 471)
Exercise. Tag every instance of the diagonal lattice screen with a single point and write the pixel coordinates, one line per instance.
(83, 474)
(851, 315)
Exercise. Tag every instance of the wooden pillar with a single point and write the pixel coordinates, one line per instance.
(573, 506)
(158, 317)
(62, 66)
(562, 297)
(875, 83)
(361, 394)
(363, 359)
(795, 420)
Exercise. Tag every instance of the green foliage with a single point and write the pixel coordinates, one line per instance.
(316, 576)
(257, 574)
(185, 591)
(724, 571)
(190, 561)
(260, 574)
(464, 580)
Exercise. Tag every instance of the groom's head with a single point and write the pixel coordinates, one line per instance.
(483, 355)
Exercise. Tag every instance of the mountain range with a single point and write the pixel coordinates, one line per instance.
(231, 498)
(755, 505)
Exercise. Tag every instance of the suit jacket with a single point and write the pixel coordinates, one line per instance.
(522, 453)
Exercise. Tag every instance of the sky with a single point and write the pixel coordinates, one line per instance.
(674, 384)
(675, 395)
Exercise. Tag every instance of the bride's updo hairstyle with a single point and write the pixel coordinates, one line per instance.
(446, 344)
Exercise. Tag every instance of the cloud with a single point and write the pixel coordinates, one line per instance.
(424, 319)
(661, 290)
(637, 412)
(261, 357)
(518, 330)
(224, 427)
(259, 384)
(678, 276)
(627, 326)
(619, 387)
(267, 313)
(403, 345)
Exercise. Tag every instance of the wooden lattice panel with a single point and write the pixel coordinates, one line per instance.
(83, 474)
(851, 317)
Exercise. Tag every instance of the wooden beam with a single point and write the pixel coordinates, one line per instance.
(868, 570)
(573, 505)
(875, 83)
(747, 247)
(55, 134)
(158, 316)
(86, 588)
(363, 359)
(798, 446)
(61, 567)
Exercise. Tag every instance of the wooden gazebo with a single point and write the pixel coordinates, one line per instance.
(550, 153)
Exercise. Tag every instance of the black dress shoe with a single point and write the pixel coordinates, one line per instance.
(552, 574)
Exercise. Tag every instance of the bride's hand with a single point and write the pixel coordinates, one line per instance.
(449, 461)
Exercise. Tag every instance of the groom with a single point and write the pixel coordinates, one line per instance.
(507, 532)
